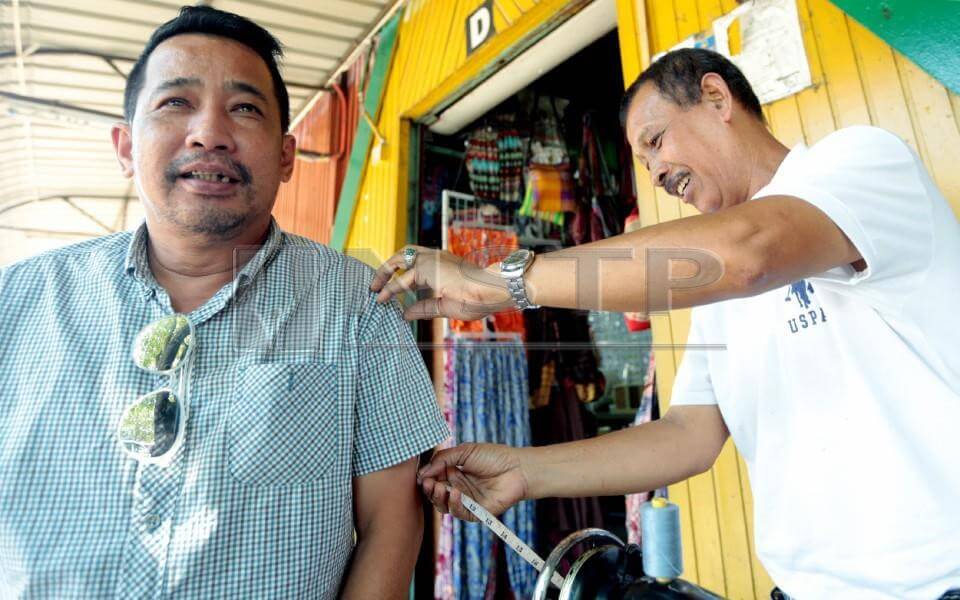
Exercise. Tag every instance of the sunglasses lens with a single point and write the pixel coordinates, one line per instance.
(163, 345)
(149, 426)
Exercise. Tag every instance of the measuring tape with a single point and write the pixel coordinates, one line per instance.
(509, 538)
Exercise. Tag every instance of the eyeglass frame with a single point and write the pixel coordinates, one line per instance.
(181, 374)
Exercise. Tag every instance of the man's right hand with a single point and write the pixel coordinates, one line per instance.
(491, 474)
(461, 290)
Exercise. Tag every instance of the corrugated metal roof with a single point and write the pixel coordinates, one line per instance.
(60, 55)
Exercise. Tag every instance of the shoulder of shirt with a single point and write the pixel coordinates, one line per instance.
(860, 136)
(356, 275)
(332, 261)
(102, 253)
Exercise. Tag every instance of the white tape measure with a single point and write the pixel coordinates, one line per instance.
(509, 538)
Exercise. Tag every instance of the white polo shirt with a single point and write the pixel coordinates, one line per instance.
(842, 391)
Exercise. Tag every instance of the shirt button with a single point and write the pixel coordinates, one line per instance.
(152, 522)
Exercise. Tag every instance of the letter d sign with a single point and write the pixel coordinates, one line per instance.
(480, 26)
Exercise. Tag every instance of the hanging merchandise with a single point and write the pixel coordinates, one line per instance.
(483, 166)
(436, 178)
(644, 414)
(548, 146)
(494, 160)
(486, 402)
(561, 380)
(484, 246)
(598, 204)
(550, 187)
(510, 159)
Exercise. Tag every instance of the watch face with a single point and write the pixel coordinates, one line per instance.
(517, 259)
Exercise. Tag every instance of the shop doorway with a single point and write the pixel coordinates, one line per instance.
(545, 168)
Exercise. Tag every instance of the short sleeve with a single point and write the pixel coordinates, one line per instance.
(693, 385)
(397, 412)
(872, 186)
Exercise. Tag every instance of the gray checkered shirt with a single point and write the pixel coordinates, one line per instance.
(300, 383)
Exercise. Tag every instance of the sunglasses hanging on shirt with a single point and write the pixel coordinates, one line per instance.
(153, 426)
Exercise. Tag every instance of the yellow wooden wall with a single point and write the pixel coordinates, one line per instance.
(858, 79)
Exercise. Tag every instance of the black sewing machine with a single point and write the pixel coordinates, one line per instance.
(609, 570)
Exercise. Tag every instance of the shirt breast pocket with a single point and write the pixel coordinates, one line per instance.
(284, 426)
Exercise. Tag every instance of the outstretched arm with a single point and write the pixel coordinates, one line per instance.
(741, 251)
(685, 442)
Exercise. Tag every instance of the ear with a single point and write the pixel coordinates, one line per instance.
(716, 94)
(123, 145)
(288, 156)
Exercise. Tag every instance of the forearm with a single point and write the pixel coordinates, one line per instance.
(383, 561)
(698, 260)
(635, 459)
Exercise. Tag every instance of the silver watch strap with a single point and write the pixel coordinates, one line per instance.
(518, 292)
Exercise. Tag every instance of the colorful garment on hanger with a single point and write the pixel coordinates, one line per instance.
(446, 566)
(484, 246)
(550, 193)
(644, 413)
(486, 402)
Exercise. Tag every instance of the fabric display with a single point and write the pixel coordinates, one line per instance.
(644, 415)
(635, 321)
(484, 246)
(486, 401)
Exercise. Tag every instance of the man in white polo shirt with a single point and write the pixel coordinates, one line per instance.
(832, 276)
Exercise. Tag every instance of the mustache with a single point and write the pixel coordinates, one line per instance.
(172, 172)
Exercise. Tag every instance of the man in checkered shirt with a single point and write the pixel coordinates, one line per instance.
(309, 403)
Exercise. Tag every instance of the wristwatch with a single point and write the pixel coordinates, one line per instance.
(512, 269)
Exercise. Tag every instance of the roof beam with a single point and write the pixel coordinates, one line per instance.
(59, 110)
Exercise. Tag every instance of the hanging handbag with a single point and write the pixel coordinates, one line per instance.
(549, 180)
(597, 214)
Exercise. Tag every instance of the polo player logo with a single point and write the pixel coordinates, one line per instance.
(810, 317)
(800, 290)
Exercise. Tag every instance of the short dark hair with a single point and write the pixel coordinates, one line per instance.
(678, 73)
(210, 21)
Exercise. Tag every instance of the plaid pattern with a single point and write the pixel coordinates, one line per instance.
(300, 383)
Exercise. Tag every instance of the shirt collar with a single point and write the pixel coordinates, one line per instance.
(263, 255)
(136, 262)
(138, 265)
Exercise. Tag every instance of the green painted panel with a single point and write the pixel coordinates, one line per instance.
(925, 31)
(349, 193)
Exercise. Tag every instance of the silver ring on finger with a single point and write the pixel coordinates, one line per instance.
(409, 257)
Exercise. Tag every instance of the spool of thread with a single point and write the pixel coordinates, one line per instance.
(660, 542)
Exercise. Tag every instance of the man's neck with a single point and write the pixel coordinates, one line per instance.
(192, 268)
(766, 156)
